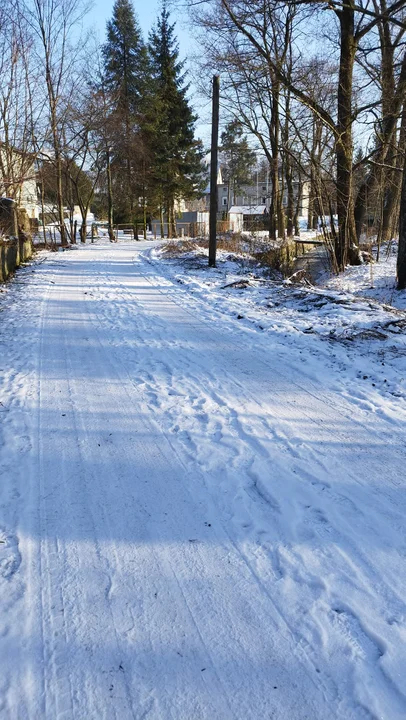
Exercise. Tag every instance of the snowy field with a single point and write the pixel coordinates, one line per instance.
(202, 504)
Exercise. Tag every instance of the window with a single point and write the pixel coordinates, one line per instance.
(225, 201)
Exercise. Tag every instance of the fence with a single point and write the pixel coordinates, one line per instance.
(199, 229)
(12, 254)
(194, 229)
(183, 229)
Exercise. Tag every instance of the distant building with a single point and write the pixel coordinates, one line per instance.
(191, 223)
(18, 179)
(246, 217)
(248, 195)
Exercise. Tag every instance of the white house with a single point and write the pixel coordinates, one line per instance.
(28, 197)
(18, 179)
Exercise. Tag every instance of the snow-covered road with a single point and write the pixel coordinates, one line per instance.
(189, 528)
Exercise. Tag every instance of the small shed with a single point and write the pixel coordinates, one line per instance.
(248, 217)
(236, 218)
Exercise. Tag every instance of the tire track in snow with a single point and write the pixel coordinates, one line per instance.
(224, 710)
(292, 442)
(130, 297)
(57, 688)
(326, 427)
(171, 565)
(302, 650)
(302, 657)
(346, 406)
(102, 517)
(21, 679)
(71, 688)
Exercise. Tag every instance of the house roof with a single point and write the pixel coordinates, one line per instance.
(247, 209)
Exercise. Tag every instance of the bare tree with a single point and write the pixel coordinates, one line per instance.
(252, 25)
(84, 153)
(54, 23)
(19, 116)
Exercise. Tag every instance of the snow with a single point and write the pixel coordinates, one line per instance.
(247, 209)
(376, 282)
(203, 497)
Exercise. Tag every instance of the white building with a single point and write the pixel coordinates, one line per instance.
(18, 179)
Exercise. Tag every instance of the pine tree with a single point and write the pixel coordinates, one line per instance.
(178, 169)
(125, 58)
(237, 158)
(126, 80)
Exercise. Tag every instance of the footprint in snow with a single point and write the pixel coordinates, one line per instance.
(10, 558)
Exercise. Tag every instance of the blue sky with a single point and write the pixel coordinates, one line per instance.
(147, 13)
(102, 11)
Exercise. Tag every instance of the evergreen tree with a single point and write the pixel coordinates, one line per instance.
(126, 80)
(125, 58)
(177, 171)
(237, 158)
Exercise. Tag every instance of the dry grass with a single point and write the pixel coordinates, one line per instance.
(174, 248)
(275, 256)
(280, 258)
(244, 245)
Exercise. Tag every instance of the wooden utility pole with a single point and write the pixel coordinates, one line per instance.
(213, 172)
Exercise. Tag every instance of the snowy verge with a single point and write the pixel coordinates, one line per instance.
(344, 330)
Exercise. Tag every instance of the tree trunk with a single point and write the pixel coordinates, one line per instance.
(392, 200)
(390, 180)
(273, 219)
(43, 210)
(161, 221)
(110, 225)
(311, 197)
(280, 213)
(392, 101)
(315, 157)
(291, 206)
(276, 217)
(56, 147)
(401, 260)
(345, 247)
(290, 209)
(168, 216)
(173, 220)
(59, 193)
(297, 208)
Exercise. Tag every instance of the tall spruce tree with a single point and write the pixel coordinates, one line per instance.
(178, 169)
(126, 79)
(125, 58)
(237, 158)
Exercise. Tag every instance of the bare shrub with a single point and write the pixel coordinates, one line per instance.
(173, 248)
(276, 255)
(270, 254)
